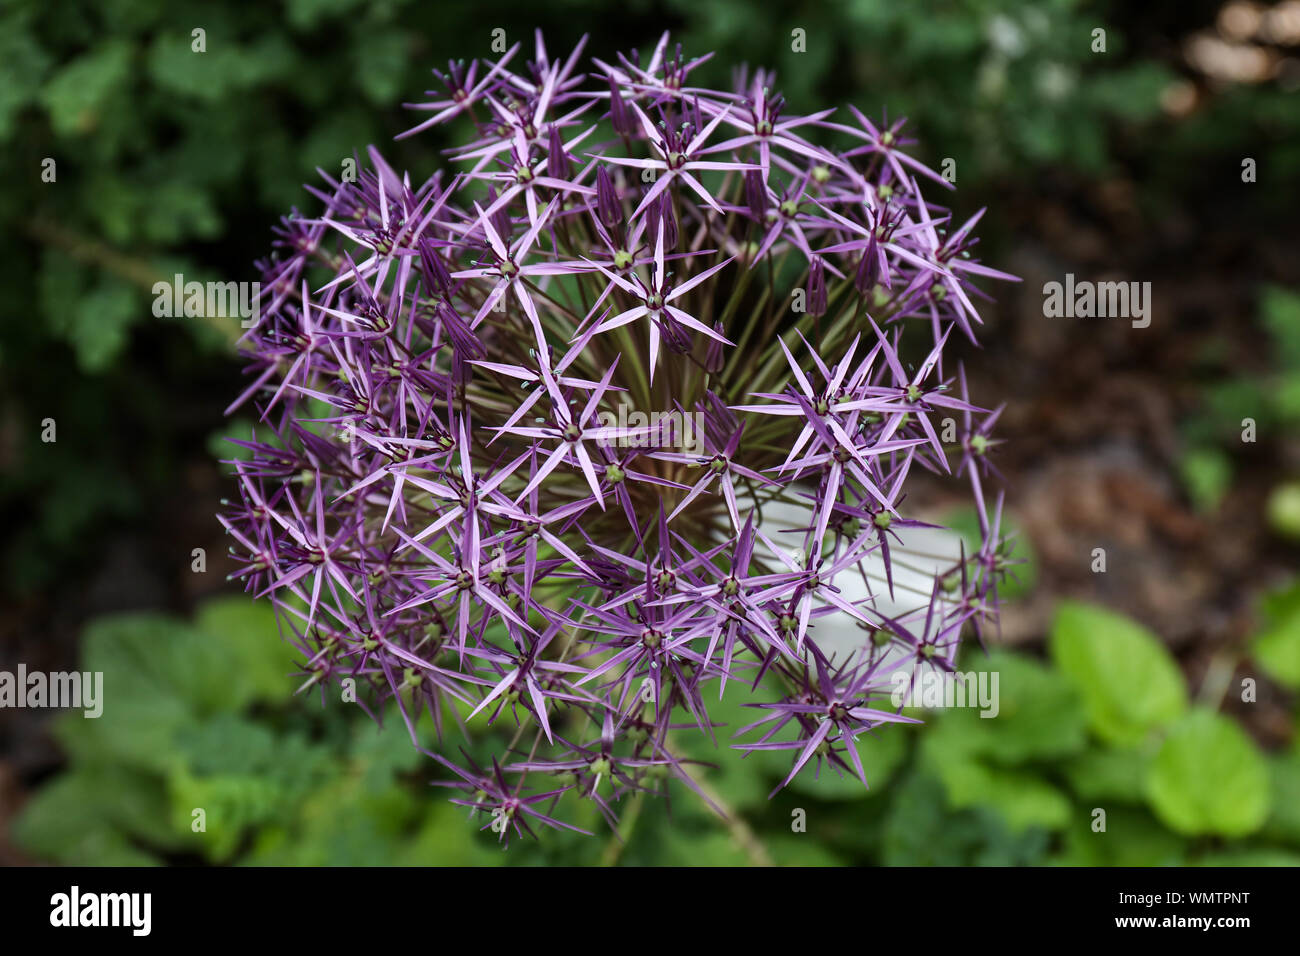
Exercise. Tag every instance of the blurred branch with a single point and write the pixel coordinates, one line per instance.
(98, 254)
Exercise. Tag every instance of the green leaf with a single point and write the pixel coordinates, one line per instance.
(1133, 837)
(1022, 799)
(1132, 94)
(1280, 310)
(1209, 778)
(75, 820)
(381, 59)
(801, 849)
(100, 323)
(1109, 775)
(1130, 684)
(1284, 509)
(712, 848)
(224, 67)
(231, 803)
(1038, 715)
(305, 14)
(1277, 646)
(143, 707)
(921, 831)
(1284, 822)
(741, 780)
(381, 753)
(162, 675)
(446, 838)
(1253, 856)
(248, 632)
(23, 65)
(75, 94)
(1207, 474)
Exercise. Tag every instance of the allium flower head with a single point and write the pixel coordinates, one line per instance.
(523, 427)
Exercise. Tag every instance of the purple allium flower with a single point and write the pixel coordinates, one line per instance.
(526, 431)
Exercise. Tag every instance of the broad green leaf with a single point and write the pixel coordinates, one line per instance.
(712, 848)
(23, 65)
(247, 630)
(1109, 775)
(1133, 837)
(383, 753)
(1022, 799)
(445, 838)
(1130, 684)
(801, 849)
(1253, 856)
(922, 831)
(77, 92)
(1280, 311)
(231, 804)
(1209, 778)
(742, 779)
(143, 708)
(75, 819)
(99, 325)
(174, 658)
(1037, 714)
(1284, 822)
(305, 14)
(1284, 509)
(381, 57)
(223, 68)
(1277, 646)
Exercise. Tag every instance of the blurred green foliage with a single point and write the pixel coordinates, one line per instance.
(1241, 406)
(1277, 645)
(198, 715)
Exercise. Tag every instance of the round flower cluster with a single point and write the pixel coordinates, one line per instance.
(525, 430)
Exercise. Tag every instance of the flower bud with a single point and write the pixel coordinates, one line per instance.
(436, 275)
(868, 269)
(619, 115)
(663, 210)
(714, 358)
(756, 193)
(817, 287)
(611, 211)
(558, 164)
